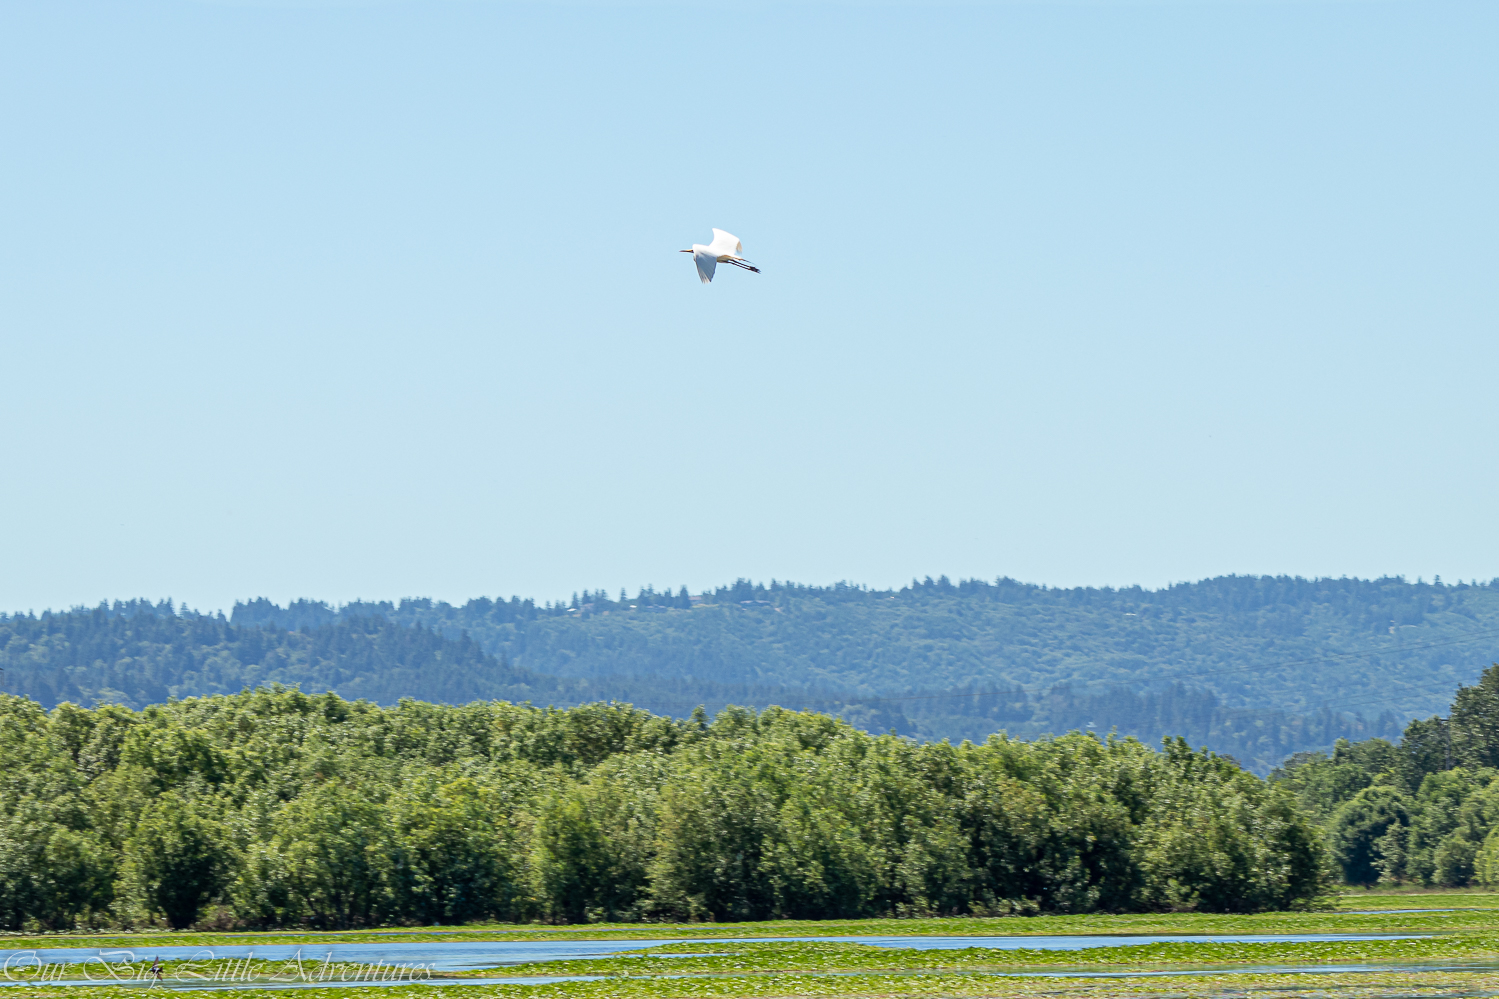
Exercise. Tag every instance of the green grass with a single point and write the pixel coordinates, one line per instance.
(791, 958)
(1436, 985)
(1398, 898)
(784, 958)
(1468, 917)
(770, 970)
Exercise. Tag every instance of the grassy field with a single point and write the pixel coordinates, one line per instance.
(1416, 898)
(1430, 985)
(1466, 934)
(1368, 915)
(788, 958)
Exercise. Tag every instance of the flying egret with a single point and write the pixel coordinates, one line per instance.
(724, 249)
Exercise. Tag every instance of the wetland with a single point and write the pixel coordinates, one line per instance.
(1369, 944)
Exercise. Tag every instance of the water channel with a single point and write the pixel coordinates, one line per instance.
(454, 955)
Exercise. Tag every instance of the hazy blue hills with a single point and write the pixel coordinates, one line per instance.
(137, 653)
(1257, 667)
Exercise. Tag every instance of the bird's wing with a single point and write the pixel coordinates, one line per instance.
(725, 243)
(707, 262)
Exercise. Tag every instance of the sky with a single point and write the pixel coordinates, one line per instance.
(376, 300)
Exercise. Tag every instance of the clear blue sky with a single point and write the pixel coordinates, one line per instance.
(382, 299)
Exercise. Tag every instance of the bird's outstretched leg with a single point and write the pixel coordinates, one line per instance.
(743, 263)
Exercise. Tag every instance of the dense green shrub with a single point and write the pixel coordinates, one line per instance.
(1422, 812)
(275, 808)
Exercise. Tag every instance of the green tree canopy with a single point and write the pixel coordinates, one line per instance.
(275, 808)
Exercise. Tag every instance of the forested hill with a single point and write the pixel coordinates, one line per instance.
(1050, 648)
(136, 654)
(1256, 667)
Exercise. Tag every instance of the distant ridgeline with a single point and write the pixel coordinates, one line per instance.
(1255, 667)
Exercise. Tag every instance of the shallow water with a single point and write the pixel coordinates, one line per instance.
(473, 955)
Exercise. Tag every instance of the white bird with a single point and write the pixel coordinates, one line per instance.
(724, 249)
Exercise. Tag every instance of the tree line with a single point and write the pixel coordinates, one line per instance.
(1423, 810)
(136, 654)
(274, 808)
(726, 651)
(1257, 645)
